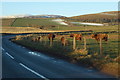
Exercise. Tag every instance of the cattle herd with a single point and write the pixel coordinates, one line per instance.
(64, 41)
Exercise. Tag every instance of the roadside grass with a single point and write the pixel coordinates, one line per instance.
(89, 57)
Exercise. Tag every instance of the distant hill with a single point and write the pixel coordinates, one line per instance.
(33, 16)
(31, 20)
(104, 17)
(41, 23)
(45, 16)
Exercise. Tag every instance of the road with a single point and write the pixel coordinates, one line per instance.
(20, 62)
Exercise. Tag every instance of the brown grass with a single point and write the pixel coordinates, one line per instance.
(18, 30)
(110, 68)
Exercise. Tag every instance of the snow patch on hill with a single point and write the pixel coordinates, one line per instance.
(60, 21)
(94, 24)
(108, 14)
(15, 16)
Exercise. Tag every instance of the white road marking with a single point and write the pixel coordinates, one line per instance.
(55, 61)
(3, 49)
(10, 55)
(90, 70)
(60, 21)
(23, 47)
(33, 53)
(33, 71)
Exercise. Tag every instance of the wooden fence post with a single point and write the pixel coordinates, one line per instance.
(101, 50)
(84, 43)
(45, 40)
(50, 41)
(74, 43)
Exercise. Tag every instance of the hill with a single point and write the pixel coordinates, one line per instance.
(8, 21)
(42, 23)
(104, 17)
(65, 23)
(33, 16)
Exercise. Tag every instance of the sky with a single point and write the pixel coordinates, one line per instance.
(60, 0)
(57, 8)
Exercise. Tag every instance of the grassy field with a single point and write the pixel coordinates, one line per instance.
(16, 30)
(20, 30)
(108, 62)
(34, 22)
(29, 22)
(27, 25)
(7, 22)
(94, 28)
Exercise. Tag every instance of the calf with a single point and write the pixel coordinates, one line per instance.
(77, 36)
(33, 39)
(98, 36)
(36, 38)
(39, 38)
(51, 36)
(64, 41)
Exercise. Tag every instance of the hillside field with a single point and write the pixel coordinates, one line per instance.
(38, 25)
(104, 17)
(29, 22)
(108, 19)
